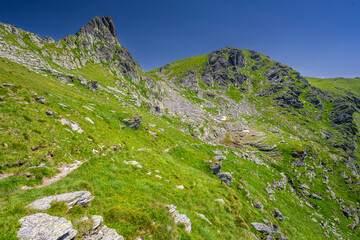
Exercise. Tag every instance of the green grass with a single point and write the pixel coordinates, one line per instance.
(134, 202)
(339, 85)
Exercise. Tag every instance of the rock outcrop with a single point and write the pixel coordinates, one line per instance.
(81, 198)
(133, 122)
(41, 226)
(180, 218)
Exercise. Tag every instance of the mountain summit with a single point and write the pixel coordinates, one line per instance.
(99, 29)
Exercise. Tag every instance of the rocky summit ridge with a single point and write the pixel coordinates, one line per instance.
(227, 145)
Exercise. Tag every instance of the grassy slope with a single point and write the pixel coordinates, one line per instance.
(347, 84)
(122, 191)
(298, 133)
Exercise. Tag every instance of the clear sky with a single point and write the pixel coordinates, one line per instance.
(319, 38)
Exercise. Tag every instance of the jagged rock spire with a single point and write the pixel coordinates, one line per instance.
(100, 29)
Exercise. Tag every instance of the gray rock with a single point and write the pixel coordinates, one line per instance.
(180, 218)
(225, 177)
(50, 113)
(258, 205)
(315, 196)
(134, 163)
(81, 198)
(203, 217)
(74, 126)
(134, 122)
(8, 85)
(89, 120)
(216, 168)
(220, 201)
(49, 39)
(304, 186)
(261, 227)
(41, 100)
(41, 226)
(278, 214)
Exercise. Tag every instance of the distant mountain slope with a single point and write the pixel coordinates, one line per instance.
(337, 84)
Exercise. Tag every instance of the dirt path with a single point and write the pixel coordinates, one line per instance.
(64, 171)
(5, 175)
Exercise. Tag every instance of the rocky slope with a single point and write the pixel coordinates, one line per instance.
(226, 145)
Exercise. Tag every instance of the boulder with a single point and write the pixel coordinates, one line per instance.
(41, 226)
(41, 100)
(81, 198)
(134, 163)
(258, 205)
(278, 214)
(216, 168)
(100, 231)
(226, 177)
(180, 218)
(134, 122)
(261, 227)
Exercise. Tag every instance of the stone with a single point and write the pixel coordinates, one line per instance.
(50, 113)
(304, 186)
(74, 126)
(216, 168)
(315, 196)
(8, 85)
(258, 205)
(278, 214)
(220, 157)
(261, 227)
(42, 226)
(89, 120)
(180, 218)
(49, 39)
(41, 100)
(220, 201)
(203, 217)
(134, 163)
(81, 198)
(226, 177)
(134, 122)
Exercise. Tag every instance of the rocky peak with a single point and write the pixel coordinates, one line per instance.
(221, 63)
(100, 29)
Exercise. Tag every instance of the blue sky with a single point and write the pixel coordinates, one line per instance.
(318, 38)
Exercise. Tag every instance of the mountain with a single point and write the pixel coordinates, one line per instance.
(227, 145)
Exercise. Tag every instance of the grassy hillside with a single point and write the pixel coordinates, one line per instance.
(337, 84)
(131, 201)
(287, 145)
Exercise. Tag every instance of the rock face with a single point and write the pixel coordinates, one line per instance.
(134, 122)
(81, 198)
(180, 218)
(42, 226)
(99, 29)
(222, 67)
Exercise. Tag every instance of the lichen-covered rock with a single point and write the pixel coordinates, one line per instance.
(216, 168)
(134, 163)
(261, 227)
(74, 126)
(134, 122)
(81, 198)
(100, 231)
(226, 177)
(180, 218)
(41, 226)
